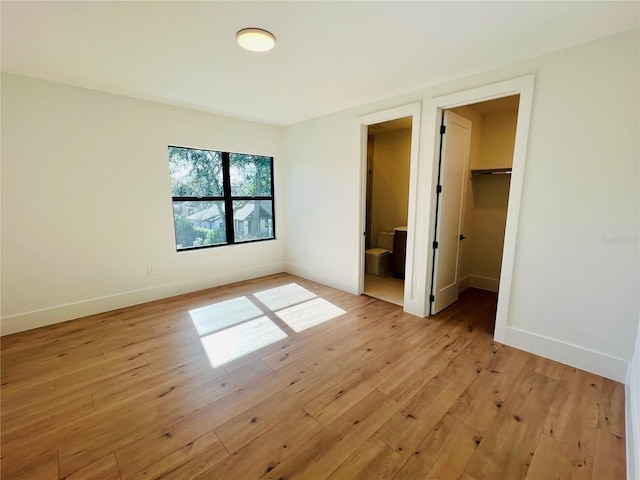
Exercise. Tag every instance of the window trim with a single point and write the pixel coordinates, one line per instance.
(227, 198)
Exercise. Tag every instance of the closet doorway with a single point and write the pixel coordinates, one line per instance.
(472, 198)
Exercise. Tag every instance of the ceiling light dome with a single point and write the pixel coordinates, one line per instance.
(256, 39)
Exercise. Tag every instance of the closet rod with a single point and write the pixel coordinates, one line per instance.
(492, 171)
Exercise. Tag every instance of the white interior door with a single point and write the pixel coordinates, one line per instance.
(454, 161)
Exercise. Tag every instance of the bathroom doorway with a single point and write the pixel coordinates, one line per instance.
(386, 208)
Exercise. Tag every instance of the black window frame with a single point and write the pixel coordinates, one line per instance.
(227, 198)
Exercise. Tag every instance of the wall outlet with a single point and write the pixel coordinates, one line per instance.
(151, 270)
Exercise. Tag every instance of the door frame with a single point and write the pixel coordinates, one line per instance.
(412, 110)
(432, 112)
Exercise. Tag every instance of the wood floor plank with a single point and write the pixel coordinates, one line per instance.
(44, 369)
(46, 417)
(104, 469)
(611, 414)
(374, 460)
(41, 467)
(407, 429)
(552, 369)
(429, 361)
(181, 450)
(306, 345)
(610, 459)
(310, 348)
(242, 399)
(22, 394)
(507, 448)
(482, 349)
(256, 420)
(554, 460)
(267, 451)
(573, 412)
(484, 398)
(332, 403)
(466, 476)
(98, 373)
(102, 433)
(131, 394)
(346, 343)
(143, 385)
(66, 391)
(444, 453)
(326, 451)
(187, 462)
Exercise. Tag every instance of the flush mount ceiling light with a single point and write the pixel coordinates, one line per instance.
(256, 39)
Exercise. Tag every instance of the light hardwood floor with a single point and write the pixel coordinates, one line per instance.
(373, 393)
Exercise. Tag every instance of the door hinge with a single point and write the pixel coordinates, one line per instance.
(439, 189)
(432, 298)
(435, 245)
(443, 129)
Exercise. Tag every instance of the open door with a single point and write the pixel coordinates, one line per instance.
(455, 139)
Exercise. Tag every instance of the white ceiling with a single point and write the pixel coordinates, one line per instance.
(330, 55)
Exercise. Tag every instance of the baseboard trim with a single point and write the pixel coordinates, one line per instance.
(484, 283)
(314, 275)
(569, 354)
(463, 283)
(62, 313)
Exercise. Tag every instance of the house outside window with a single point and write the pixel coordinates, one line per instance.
(206, 184)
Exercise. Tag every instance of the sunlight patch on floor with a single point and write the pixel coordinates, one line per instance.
(224, 314)
(235, 342)
(281, 297)
(233, 328)
(309, 314)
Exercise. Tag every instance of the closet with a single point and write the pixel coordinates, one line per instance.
(486, 191)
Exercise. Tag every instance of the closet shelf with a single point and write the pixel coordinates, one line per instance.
(491, 171)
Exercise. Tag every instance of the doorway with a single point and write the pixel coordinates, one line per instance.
(387, 203)
(403, 117)
(476, 160)
(524, 87)
(422, 189)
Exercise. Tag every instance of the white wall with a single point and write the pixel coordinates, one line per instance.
(488, 202)
(86, 202)
(390, 192)
(575, 281)
(498, 140)
(323, 201)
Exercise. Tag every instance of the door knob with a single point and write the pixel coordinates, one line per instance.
(462, 237)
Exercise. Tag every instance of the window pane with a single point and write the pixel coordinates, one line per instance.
(199, 223)
(195, 173)
(252, 220)
(250, 175)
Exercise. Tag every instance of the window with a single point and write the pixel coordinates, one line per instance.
(206, 184)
